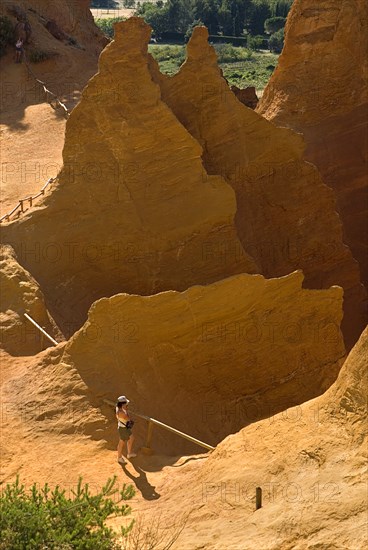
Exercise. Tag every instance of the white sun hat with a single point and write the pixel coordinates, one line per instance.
(123, 399)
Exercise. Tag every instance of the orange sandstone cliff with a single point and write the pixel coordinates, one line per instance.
(320, 89)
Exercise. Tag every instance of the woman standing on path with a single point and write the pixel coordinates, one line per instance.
(19, 51)
(125, 425)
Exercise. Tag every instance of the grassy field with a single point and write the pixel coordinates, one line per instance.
(240, 66)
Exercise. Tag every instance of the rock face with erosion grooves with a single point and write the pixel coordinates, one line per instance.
(286, 215)
(19, 294)
(320, 89)
(230, 353)
(133, 209)
(310, 462)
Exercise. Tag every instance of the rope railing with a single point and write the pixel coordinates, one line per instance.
(147, 449)
(43, 331)
(20, 206)
(50, 96)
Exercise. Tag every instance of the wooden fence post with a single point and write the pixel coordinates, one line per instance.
(147, 450)
(258, 498)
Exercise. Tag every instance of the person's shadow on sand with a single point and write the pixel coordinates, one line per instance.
(141, 482)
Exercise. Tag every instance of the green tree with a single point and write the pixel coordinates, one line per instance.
(155, 15)
(171, 16)
(179, 15)
(207, 11)
(225, 19)
(274, 24)
(107, 25)
(257, 15)
(282, 8)
(196, 23)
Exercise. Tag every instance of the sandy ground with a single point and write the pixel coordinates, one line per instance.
(31, 152)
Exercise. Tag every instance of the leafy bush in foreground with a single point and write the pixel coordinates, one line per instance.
(43, 518)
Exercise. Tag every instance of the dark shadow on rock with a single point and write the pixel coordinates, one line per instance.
(141, 482)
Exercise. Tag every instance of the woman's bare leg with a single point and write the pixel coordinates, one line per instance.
(130, 445)
(121, 446)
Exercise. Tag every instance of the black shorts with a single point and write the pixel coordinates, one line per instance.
(124, 433)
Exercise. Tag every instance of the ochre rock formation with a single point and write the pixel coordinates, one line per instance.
(286, 216)
(133, 209)
(309, 461)
(213, 358)
(320, 89)
(247, 96)
(19, 294)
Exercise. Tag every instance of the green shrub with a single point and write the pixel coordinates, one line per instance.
(167, 52)
(37, 56)
(256, 43)
(276, 41)
(6, 33)
(107, 25)
(228, 53)
(43, 518)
